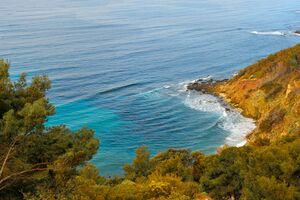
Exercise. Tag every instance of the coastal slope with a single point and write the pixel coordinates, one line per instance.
(267, 91)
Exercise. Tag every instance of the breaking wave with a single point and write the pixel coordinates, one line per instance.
(276, 33)
(269, 33)
(230, 119)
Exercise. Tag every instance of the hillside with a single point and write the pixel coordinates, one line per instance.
(267, 91)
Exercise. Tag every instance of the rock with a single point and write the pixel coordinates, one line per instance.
(294, 86)
(297, 32)
(205, 85)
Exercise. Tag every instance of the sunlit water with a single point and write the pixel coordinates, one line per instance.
(121, 67)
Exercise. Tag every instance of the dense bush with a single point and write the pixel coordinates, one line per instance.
(31, 155)
(275, 116)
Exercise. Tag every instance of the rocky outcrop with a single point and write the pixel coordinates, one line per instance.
(204, 85)
(293, 87)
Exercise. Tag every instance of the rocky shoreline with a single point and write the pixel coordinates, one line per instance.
(209, 86)
(267, 91)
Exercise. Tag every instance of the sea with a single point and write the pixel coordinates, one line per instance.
(121, 67)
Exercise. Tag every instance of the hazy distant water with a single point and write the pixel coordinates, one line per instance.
(120, 67)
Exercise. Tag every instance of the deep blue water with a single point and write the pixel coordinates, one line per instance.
(120, 67)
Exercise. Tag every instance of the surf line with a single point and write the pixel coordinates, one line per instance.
(201, 97)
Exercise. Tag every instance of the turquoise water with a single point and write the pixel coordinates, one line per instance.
(121, 67)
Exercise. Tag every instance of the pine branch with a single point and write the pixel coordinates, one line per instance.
(7, 156)
(19, 174)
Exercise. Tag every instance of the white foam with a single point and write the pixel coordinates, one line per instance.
(230, 120)
(206, 78)
(203, 102)
(238, 126)
(280, 33)
(235, 74)
(276, 33)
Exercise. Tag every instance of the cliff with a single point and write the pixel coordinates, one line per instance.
(267, 91)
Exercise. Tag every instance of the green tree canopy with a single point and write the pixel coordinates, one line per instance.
(31, 153)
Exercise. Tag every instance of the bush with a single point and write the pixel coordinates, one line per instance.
(275, 117)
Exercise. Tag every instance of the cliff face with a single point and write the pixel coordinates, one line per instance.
(268, 91)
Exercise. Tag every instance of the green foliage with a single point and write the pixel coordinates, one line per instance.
(179, 162)
(294, 61)
(268, 188)
(222, 177)
(255, 172)
(269, 172)
(31, 155)
(274, 117)
(141, 165)
(271, 89)
(85, 184)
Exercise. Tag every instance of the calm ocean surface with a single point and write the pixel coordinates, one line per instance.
(121, 66)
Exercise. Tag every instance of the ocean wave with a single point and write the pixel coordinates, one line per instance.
(238, 126)
(231, 120)
(117, 88)
(276, 33)
(235, 126)
(269, 33)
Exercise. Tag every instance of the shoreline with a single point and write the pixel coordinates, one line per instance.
(267, 91)
(208, 86)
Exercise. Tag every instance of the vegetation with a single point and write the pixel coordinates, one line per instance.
(38, 162)
(268, 91)
(32, 155)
